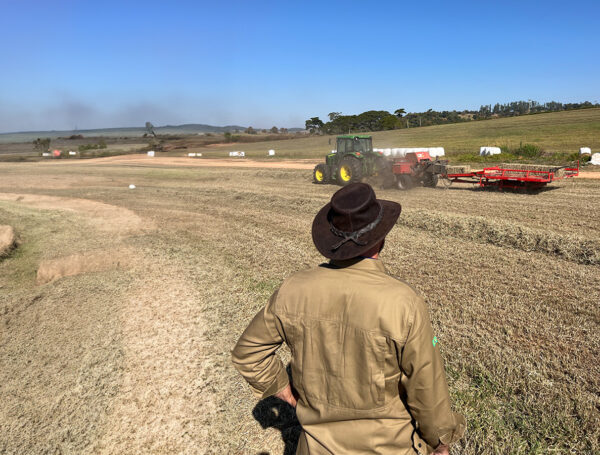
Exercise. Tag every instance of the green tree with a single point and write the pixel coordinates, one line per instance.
(150, 129)
(275, 130)
(41, 145)
(399, 112)
(250, 130)
(390, 122)
(333, 115)
(314, 125)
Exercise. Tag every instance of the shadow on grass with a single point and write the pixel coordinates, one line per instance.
(275, 413)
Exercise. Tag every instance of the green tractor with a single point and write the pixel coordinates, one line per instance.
(353, 161)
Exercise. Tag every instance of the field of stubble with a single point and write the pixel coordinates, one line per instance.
(119, 308)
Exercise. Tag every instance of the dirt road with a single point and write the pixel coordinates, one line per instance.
(144, 160)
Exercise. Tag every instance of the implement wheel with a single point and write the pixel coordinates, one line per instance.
(384, 171)
(430, 180)
(349, 171)
(405, 182)
(321, 174)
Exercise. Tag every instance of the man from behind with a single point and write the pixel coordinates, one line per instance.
(367, 375)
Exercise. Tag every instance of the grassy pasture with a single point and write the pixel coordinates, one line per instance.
(137, 359)
(558, 134)
(561, 133)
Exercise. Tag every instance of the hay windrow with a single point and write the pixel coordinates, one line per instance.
(484, 230)
(8, 240)
(76, 264)
(458, 169)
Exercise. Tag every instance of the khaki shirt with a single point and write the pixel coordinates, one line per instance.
(365, 362)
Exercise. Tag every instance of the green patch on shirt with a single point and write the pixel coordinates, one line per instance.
(434, 341)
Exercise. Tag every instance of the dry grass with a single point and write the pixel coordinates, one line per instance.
(479, 229)
(7, 240)
(145, 352)
(457, 169)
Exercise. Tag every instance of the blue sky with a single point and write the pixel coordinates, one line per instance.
(68, 64)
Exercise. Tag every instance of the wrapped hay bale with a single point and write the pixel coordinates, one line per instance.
(558, 171)
(456, 169)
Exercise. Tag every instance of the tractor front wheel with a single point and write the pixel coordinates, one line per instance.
(349, 171)
(321, 174)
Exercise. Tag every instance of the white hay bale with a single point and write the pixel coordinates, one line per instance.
(72, 153)
(46, 154)
(191, 154)
(487, 151)
(595, 160)
(271, 152)
(585, 151)
(334, 151)
(132, 187)
(151, 153)
(198, 154)
(436, 152)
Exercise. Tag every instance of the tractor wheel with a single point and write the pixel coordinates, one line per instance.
(321, 174)
(405, 182)
(349, 171)
(385, 174)
(430, 180)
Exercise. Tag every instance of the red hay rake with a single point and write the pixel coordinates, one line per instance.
(513, 179)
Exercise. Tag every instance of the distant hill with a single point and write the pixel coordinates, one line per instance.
(190, 128)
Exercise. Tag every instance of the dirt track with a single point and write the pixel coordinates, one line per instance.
(144, 160)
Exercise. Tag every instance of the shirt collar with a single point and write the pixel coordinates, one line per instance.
(359, 264)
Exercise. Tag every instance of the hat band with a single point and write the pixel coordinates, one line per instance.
(347, 236)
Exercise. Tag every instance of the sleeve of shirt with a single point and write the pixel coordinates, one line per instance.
(425, 383)
(254, 355)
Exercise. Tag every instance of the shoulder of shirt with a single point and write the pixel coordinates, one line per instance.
(302, 276)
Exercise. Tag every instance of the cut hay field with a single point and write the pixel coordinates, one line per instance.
(119, 307)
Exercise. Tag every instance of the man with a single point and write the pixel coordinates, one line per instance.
(367, 375)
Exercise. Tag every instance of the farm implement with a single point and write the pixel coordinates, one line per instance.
(355, 159)
(513, 177)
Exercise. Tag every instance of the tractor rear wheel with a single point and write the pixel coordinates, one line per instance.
(405, 182)
(430, 180)
(321, 174)
(349, 171)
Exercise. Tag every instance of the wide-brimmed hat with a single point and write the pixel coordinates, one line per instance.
(353, 222)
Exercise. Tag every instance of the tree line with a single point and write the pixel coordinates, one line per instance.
(384, 120)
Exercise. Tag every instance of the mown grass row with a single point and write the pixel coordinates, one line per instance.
(500, 233)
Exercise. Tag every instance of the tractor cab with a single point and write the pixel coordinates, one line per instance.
(356, 145)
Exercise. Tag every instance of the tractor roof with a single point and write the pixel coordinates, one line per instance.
(352, 136)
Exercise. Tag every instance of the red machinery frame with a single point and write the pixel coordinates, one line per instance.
(506, 178)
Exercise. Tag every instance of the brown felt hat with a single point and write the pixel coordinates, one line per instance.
(353, 222)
